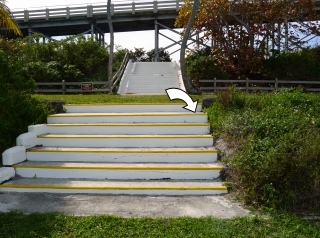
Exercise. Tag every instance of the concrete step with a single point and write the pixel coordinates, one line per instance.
(123, 155)
(170, 117)
(121, 141)
(118, 171)
(114, 187)
(129, 128)
(126, 108)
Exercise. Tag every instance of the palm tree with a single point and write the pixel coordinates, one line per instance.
(7, 21)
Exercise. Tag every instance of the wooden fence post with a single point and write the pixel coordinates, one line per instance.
(276, 84)
(215, 85)
(247, 85)
(63, 87)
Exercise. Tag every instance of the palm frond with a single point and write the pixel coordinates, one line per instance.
(7, 21)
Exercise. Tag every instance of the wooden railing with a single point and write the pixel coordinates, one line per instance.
(213, 85)
(95, 10)
(72, 87)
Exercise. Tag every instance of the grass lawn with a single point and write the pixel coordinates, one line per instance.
(58, 225)
(116, 99)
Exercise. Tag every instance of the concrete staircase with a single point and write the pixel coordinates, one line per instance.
(117, 149)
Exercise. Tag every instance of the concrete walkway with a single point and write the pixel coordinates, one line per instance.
(124, 206)
(150, 78)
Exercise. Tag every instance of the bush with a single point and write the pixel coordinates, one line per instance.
(302, 65)
(73, 59)
(140, 55)
(275, 138)
(18, 109)
(203, 65)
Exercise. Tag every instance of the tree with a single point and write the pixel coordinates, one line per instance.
(140, 55)
(7, 21)
(163, 56)
(187, 83)
(246, 32)
(202, 65)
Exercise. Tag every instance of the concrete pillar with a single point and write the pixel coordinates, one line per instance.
(156, 42)
(92, 30)
(198, 40)
(30, 35)
(286, 32)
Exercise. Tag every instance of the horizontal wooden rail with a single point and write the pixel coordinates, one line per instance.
(71, 87)
(252, 85)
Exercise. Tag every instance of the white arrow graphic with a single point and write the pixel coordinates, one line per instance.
(177, 93)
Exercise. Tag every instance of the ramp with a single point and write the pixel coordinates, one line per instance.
(150, 78)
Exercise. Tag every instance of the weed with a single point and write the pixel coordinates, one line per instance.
(276, 138)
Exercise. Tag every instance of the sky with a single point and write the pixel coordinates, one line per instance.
(143, 39)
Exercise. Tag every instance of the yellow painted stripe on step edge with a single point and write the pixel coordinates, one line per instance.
(130, 124)
(61, 150)
(125, 136)
(34, 186)
(115, 167)
(125, 114)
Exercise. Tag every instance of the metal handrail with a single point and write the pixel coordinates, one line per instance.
(118, 75)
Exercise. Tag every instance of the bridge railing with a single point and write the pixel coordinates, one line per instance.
(96, 10)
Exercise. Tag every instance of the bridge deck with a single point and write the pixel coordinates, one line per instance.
(129, 16)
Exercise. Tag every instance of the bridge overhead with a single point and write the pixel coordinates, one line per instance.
(130, 16)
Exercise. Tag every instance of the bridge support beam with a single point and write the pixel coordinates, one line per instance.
(44, 37)
(157, 33)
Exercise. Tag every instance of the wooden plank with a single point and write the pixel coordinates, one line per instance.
(48, 83)
(299, 82)
(48, 90)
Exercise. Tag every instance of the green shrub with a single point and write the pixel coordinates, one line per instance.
(301, 65)
(18, 109)
(203, 65)
(276, 138)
